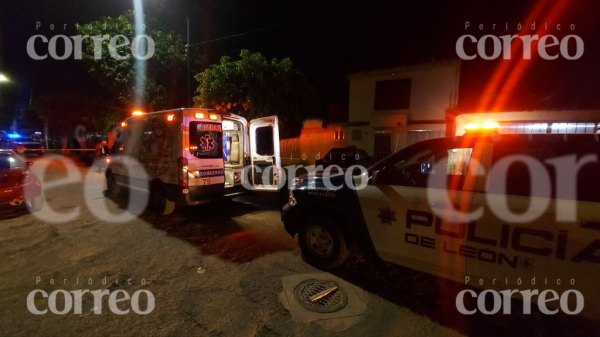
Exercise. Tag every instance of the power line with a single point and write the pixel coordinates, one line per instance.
(240, 34)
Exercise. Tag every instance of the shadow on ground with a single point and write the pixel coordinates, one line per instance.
(435, 298)
(238, 230)
(246, 228)
(12, 212)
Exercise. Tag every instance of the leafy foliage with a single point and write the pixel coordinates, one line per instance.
(119, 76)
(256, 87)
(85, 110)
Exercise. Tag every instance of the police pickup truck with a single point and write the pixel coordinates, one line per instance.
(482, 206)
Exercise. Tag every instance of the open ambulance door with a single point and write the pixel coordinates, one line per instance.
(264, 153)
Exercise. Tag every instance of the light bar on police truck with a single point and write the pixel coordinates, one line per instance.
(476, 127)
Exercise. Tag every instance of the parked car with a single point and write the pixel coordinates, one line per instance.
(18, 185)
(26, 145)
(345, 157)
(10, 140)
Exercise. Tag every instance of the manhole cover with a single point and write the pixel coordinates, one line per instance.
(333, 302)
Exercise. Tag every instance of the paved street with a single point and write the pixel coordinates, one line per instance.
(437, 161)
(240, 247)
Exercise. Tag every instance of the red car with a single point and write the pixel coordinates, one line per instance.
(18, 184)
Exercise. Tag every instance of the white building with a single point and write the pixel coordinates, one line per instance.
(392, 108)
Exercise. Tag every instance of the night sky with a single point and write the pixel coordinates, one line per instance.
(326, 39)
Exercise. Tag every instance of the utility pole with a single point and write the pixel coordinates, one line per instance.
(187, 51)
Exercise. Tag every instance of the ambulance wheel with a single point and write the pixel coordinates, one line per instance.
(112, 188)
(159, 202)
(322, 243)
(36, 204)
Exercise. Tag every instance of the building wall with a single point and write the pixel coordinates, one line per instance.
(367, 136)
(434, 89)
(315, 141)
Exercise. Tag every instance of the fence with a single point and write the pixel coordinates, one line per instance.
(290, 151)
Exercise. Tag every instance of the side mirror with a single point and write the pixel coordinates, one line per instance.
(376, 178)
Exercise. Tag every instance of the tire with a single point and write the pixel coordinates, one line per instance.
(112, 188)
(322, 243)
(41, 153)
(159, 202)
(36, 204)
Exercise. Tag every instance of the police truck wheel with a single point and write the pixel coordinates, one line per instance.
(322, 243)
(159, 202)
(111, 185)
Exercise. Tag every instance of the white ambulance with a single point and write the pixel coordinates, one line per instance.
(190, 156)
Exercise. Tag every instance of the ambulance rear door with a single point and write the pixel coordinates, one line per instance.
(265, 157)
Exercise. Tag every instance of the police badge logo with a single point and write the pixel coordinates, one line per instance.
(387, 216)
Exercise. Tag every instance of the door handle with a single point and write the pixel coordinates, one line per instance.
(590, 225)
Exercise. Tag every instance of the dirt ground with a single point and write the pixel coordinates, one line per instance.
(241, 248)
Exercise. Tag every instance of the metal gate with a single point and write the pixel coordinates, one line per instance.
(383, 145)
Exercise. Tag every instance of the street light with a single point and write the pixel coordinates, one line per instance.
(3, 78)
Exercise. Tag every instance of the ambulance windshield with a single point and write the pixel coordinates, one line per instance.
(206, 140)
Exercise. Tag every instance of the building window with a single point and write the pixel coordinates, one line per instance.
(356, 134)
(383, 145)
(393, 95)
(415, 136)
